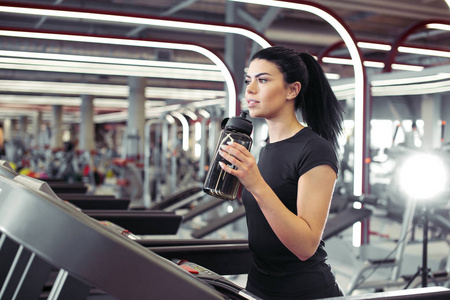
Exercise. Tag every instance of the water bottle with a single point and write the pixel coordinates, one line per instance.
(219, 183)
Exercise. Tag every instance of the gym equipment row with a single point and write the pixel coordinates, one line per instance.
(108, 208)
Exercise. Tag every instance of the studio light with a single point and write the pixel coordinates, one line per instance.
(423, 176)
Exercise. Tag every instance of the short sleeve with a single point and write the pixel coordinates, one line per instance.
(317, 151)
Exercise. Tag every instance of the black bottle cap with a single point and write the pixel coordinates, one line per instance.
(240, 124)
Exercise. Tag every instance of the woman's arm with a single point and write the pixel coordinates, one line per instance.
(300, 233)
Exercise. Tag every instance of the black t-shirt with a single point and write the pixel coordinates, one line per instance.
(275, 269)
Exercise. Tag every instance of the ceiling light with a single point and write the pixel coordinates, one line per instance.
(371, 64)
(333, 76)
(72, 101)
(107, 90)
(421, 51)
(439, 26)
(231, 89)
(374, 46)
(374, 64)
(148, 21)
(110, 60)
(412, 89)
(108, 69)
(402, 67)
(410, 80)
(407, 49)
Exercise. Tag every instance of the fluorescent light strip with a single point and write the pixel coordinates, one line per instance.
(137, 21)
(139, 43)
(372, 64)
(105, 90)
(343, 87)
(359, 79)
(420, 51)
(333, 76)
(410, 80)
(157, 111)
(337, 61)
(90, 68)
(110, 60)
(438, 26)
(374, 46)
(72, 101)
(380, 93)
(407, 49)
(412, 89)
(411, 68)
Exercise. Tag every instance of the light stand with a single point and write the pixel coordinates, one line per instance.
(424, 271)
(423, 176)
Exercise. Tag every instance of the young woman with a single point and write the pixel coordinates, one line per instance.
(288, 193)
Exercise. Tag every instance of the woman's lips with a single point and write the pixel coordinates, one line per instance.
(251, 103)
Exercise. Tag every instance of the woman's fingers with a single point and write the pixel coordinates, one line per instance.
(229, 156)
(236, 150)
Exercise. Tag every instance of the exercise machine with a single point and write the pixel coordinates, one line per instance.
(86, 253)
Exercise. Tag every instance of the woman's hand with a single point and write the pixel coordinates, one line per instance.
(247, 171)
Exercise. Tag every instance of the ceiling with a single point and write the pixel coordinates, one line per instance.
(27, 86)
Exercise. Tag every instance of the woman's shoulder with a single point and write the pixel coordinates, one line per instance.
(307, 136)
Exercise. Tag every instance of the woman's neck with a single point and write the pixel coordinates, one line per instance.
(283, 129)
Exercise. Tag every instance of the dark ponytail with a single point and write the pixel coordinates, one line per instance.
(319, 107)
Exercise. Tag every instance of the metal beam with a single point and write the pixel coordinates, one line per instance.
(43, 19)
(168, 12)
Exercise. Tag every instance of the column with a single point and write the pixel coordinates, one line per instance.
(23, 124)
(87, 137)
(235, 52)
(134, 137)
(445, 117)
(431, 114)
(7, 129)
(56, 129)
(37, 124)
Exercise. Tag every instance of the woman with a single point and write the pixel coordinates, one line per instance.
(288, 194)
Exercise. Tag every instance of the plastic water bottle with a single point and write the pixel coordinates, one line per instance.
(219, 183)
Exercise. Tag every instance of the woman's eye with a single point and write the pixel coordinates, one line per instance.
(262, 80)
(246, 82)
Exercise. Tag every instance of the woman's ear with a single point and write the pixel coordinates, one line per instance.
(294, 89)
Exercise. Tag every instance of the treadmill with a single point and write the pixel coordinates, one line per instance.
(53, 234)
(104, 208)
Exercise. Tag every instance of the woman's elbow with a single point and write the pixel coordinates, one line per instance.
(307, 252)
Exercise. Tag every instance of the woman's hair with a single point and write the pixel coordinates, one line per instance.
(319, 107)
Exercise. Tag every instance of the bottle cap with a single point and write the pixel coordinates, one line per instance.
(240, 123)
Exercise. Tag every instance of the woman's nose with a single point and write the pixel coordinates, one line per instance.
(250, 88)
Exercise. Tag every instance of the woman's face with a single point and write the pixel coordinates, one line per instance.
(267, 94)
